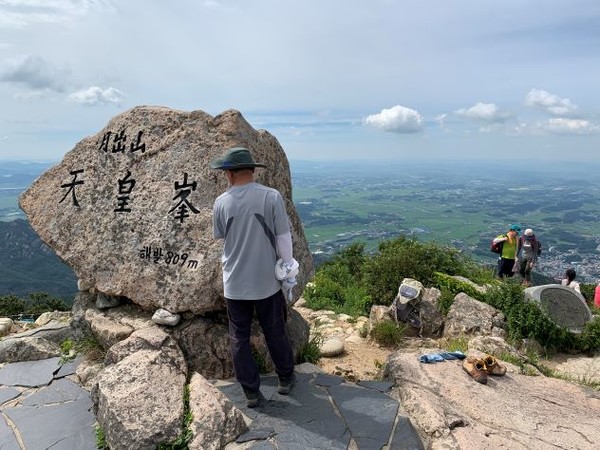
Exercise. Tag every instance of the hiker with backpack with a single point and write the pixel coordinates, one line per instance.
(528, 249)
(507, 246)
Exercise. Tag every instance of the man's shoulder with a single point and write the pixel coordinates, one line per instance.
(262, 187)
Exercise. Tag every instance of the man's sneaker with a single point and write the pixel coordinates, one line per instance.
(253, 398)
(493, 366)
(286, 384)
(476, 368)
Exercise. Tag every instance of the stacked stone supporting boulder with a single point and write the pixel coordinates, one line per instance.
(130, 210)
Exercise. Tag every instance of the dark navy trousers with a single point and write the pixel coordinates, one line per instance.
(272, 315)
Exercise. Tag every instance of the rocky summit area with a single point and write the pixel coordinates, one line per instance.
(129, 209)
(387, 396)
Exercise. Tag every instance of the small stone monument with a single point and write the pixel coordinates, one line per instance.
(564, 306)
(130, 208)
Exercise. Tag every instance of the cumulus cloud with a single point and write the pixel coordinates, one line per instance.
(95, 95)
(22, 13)
(551, 103)
(398, 119)
(488, 112)
(571, 126)
(34, 73)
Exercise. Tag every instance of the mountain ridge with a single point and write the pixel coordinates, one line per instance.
(28, 265)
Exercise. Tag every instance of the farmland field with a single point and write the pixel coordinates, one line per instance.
(457, 204)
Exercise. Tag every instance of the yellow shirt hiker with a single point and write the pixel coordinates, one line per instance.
(509, 241)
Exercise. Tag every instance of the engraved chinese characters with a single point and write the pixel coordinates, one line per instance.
(182, 208)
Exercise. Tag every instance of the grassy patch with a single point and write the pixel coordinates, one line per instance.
(388, 333)
(89, 347)
(452, 344)
(310, 352)
(100, 438)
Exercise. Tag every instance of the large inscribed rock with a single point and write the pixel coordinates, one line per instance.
(130, 208)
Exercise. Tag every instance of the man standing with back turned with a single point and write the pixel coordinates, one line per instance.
(252, 220)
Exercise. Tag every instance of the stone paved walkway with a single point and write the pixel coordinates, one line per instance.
(41, 409)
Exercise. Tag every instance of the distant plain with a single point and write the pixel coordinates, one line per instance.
(464, 204)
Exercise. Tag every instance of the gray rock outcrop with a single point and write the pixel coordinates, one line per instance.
(472, 317)
(512, 411)
(216, 420)
(139, 398)
(130, 208)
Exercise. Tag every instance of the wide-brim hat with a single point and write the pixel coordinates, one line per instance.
(235, 158)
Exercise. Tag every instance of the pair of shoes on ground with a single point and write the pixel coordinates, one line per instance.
(480, 368)
(255, 398)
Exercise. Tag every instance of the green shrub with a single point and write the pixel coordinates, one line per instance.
(450, 287)
(36, 304)
(11, 305)
(403, 258)
(324, 293)
(388, 333)
(587, 290)
(589, 340)
(352, 281)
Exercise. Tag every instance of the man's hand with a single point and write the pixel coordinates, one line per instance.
(286, 270)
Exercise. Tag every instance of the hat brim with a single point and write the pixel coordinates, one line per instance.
(222, 165)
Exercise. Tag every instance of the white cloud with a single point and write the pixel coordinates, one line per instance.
(551, 103)
(488, 112)
(34, 73)
(570, 126)
(398, 119)
(95, 95)
(22, 13)
(551, 126)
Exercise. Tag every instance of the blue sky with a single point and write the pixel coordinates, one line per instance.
(331, 79)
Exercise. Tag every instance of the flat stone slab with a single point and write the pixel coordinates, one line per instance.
(29, 373)
(7, 394)
(327, 380)
(60, 391)
(321, 412)
(69, 367)
(405, 436)
(370, 414)
(68, 425)
(8, 441)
